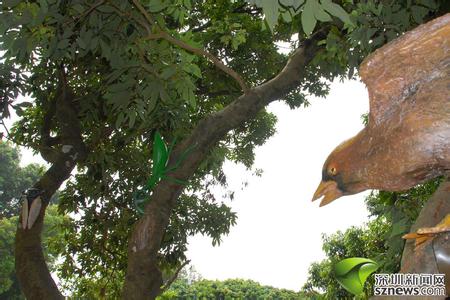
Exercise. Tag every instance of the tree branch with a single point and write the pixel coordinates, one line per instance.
(166, 36)
(87, 12)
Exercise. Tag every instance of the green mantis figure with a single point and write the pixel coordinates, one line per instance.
(160, 158)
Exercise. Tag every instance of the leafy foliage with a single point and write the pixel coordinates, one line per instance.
(380, 239)
(400, 210)
(311, 11)
(365, 241)
(352, 273)
(228, 289)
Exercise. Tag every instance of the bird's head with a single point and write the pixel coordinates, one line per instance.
(343, 173)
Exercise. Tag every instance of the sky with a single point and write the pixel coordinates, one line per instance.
(278, 232)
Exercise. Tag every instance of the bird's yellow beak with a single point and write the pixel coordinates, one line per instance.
(329, 190)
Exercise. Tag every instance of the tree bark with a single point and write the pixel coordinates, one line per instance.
(143, 279)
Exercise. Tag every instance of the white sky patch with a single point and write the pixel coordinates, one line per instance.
(278, 231)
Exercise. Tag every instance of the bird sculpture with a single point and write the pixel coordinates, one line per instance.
(407, 138)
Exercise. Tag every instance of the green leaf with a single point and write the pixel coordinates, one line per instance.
(81, 43)
(160, 159)
(429, 3)
(366, 270)
(63, 44)
(399, 227)
(44, 6)
(287, 3)
(156, 6)
(345, 265)
(164, 95)
(336, 10)
(286, 15)
(270, 9)
(24, 104)
(10, 3)
(307, 18)
(194, 70)
(120, 119)
(351, 282)
(168, 72)
(105, 9)
(321, 15)
(132, 115)
(297, 4)
(418, 13)
(106, 49)
(352, 273)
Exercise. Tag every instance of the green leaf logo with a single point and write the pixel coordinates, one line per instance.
(352, 273)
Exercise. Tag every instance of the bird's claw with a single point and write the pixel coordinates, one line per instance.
(428, 233)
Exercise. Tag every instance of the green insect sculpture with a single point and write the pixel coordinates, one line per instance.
(160, 156)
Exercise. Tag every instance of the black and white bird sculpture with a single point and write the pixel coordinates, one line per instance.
(31, 207)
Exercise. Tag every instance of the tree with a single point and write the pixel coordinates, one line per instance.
(14, 179)
(106, 76)
(228, 289)
(367, 241)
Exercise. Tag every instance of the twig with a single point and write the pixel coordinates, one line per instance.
(86, 12)
(7, 135)
(164, 35)
(174, 277)
(94, 6)
(146, 64)
(6, 129)
(143, 12)
(211, 57)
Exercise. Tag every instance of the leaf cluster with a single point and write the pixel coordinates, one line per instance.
(228, 289)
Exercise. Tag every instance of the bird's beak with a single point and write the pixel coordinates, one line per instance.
(329, 190)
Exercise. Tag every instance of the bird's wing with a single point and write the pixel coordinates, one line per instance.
(395, 71)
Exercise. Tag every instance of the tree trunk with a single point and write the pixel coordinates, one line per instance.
(143, 279)
(32, 271)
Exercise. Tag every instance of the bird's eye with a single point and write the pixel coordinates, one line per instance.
(332, 171)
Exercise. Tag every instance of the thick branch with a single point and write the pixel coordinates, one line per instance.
(142, 272)
(219, 64)
(31, 269)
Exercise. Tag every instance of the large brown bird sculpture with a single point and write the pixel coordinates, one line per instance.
(407, 139)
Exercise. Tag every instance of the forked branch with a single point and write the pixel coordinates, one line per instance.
(166, 36)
